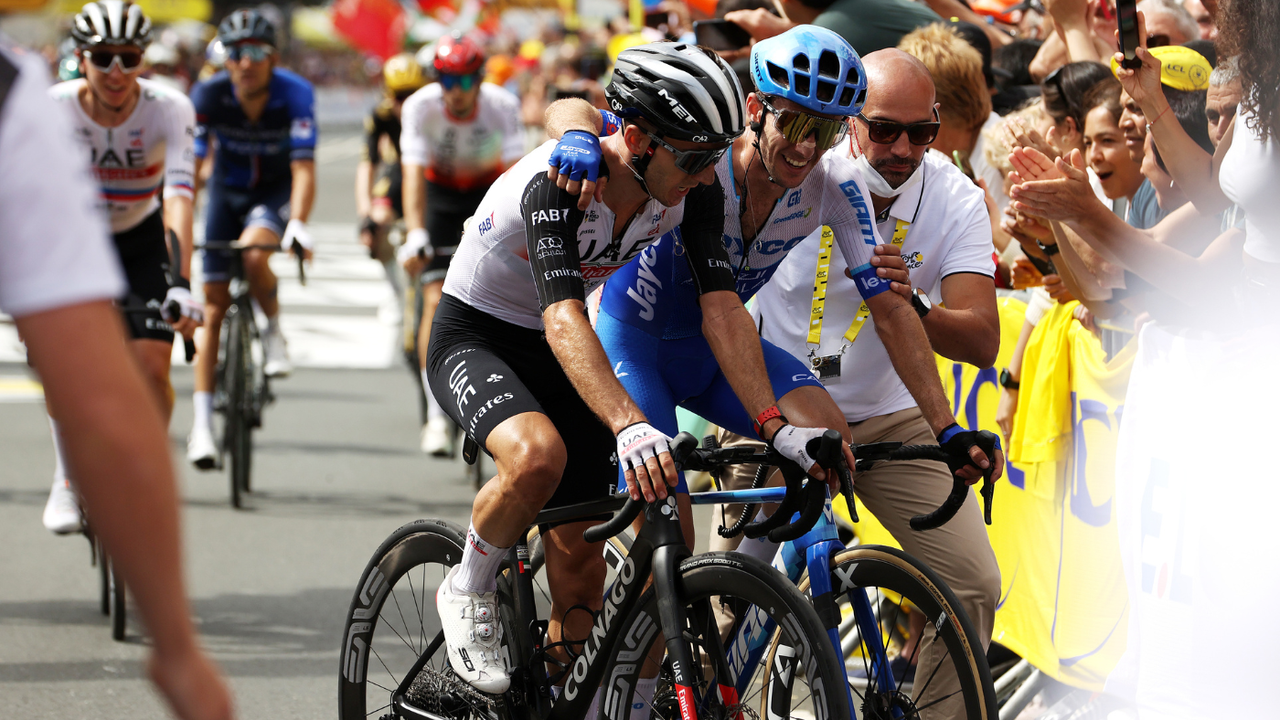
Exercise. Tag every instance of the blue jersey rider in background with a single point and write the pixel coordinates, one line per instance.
(260, 122)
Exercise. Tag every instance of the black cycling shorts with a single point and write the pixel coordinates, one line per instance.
(483, 370)
(144, 256)
(447, 210)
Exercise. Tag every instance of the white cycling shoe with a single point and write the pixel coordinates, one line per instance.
(473, 636)
(437, 438)
(201, 450)
(62, 512)
(276, 362)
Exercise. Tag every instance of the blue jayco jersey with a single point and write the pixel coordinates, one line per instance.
(656, 292)
(256, 154)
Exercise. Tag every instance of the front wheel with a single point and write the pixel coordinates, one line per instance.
(943, 675)
(806, 678)
(240, 401)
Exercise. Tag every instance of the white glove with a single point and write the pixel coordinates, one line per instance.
(415, 241)
(638, 442)
(296, 230)
(790, 442)
(187, 305)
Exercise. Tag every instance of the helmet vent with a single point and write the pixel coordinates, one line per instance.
(801, 63)
(779, 76)
(829, 65)
(826, 91)
(846, 97)
(802, 85)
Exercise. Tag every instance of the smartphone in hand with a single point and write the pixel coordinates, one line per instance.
(720, 35)
(1127, 23)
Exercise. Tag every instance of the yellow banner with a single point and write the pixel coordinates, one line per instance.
(1063, 603)
(160, 11)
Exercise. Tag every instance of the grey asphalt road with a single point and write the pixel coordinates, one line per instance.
(336, 470)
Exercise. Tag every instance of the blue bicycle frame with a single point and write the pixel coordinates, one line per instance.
(812, 551)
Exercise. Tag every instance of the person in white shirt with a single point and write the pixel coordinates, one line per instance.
(58, 277)
(938, 218)
(137, 136)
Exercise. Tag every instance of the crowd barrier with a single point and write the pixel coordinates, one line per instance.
(1063, 604)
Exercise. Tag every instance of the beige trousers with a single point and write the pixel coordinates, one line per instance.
(959, 551)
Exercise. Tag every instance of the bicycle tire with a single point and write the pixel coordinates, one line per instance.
(233, 386)
(104, 579)
(733, 578)
(242, 459)
(876, 569)
(409, 565)
(119, 607)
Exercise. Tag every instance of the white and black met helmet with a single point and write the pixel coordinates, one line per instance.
(685, 92)
(111, 22)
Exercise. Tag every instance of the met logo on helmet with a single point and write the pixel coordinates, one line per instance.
(676, 107)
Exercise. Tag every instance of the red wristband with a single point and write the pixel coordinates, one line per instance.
(770, 413)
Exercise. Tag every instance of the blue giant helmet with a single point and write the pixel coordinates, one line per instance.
(812, 67)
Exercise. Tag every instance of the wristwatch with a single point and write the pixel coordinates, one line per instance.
(921, 302)
(1006, 380)
(1049, 250)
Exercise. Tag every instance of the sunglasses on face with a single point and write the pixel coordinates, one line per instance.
(466, 82)
(797, 126)
(691, 162)
(884, 132)
(253, 51)
(104, 60)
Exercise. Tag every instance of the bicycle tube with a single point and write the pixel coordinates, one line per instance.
(731, 579)
(233, 376)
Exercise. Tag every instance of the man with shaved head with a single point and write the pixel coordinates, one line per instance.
(938, 218)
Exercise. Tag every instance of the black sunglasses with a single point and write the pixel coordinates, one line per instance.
(692, 161)
(796, 126)
(103, 60)
(884, 132)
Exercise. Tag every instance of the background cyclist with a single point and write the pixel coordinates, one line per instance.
(261, 120)
(137, 136)
(459, 135)
(379, 192)
(546, 406)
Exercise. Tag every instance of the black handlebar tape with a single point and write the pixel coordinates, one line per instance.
(790, 504)
(173, 309)
(302, 273)
(682, 447)
(814, 498)
(616, 524)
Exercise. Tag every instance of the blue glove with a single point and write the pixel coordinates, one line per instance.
(577, 154)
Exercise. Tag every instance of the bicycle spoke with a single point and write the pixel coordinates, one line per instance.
(392, 675)
(375, 712)
(414, 595)
(397, 632)
(920, 693)
(422, 611)
(935, 702)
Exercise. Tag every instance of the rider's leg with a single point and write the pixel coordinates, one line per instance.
(958, 551)
(201, 449)
(154, 357)
(431, 292)
(262, 280)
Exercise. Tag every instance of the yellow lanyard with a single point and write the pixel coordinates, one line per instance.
(820, 277)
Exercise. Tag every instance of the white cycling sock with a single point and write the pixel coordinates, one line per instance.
(642, 702)
(273, 324)
(760, 548)
(478, 571)
(435, 413)
(59, 461)
(203, 402)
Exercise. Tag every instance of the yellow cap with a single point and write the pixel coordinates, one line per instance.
(1181, 68)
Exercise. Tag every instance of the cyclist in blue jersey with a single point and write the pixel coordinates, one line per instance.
(260, 122)
(781, 185)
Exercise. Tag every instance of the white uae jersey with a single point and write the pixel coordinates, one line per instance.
(464, 154)
(150, 152)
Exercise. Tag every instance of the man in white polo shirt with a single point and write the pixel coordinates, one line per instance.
(938, 218)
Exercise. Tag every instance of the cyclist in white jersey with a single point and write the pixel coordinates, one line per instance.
(458, 135)
(137, 138)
